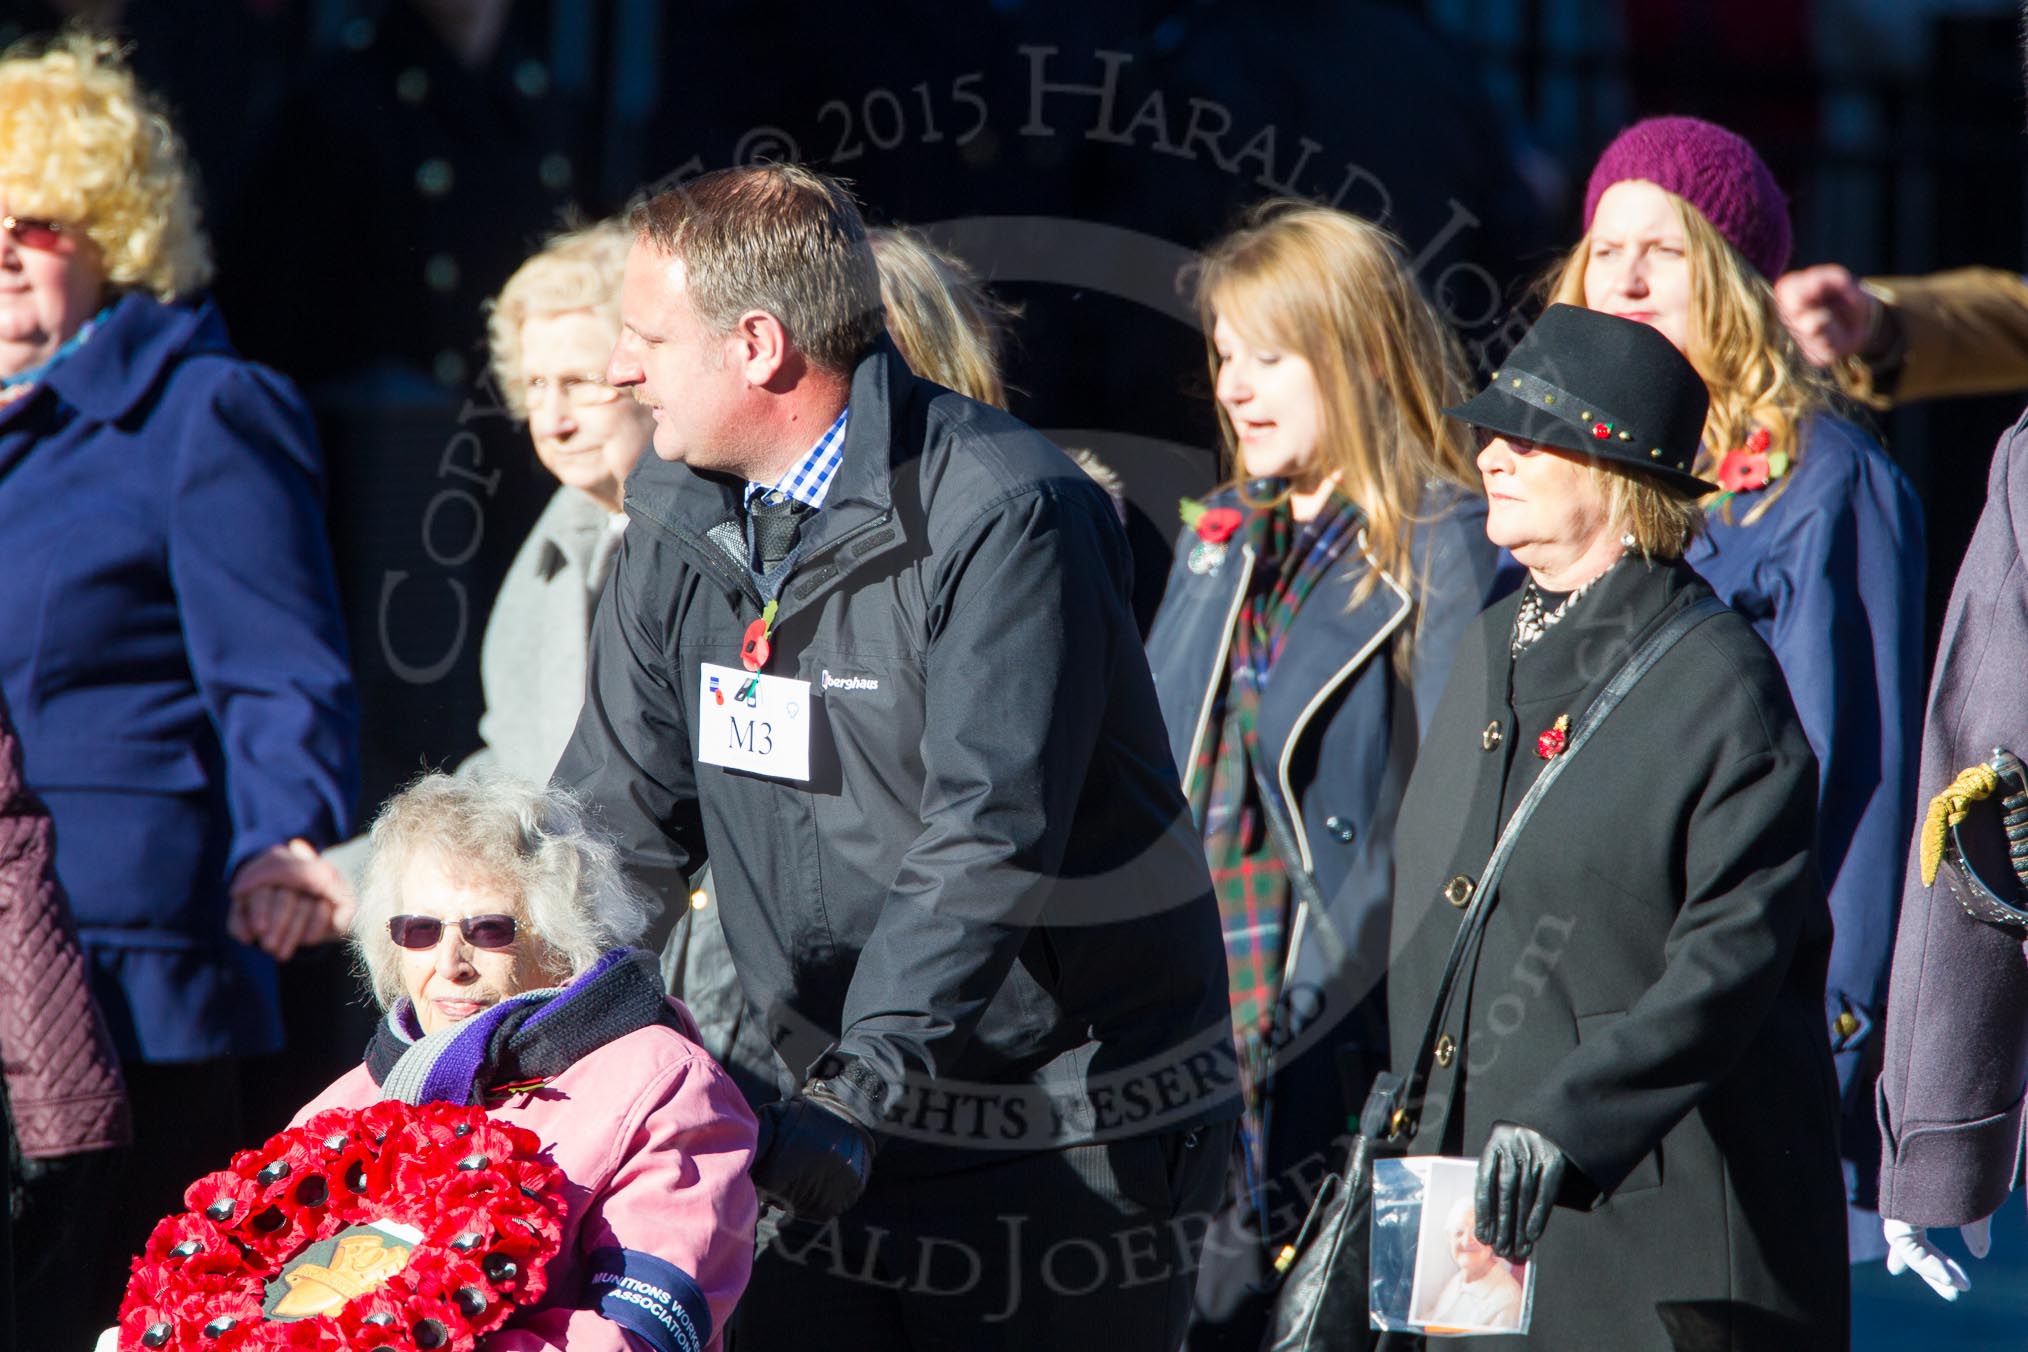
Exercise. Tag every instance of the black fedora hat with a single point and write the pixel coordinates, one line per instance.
(1604, 386)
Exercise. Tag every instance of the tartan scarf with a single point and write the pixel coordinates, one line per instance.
(1250, 878)
(1248, 875)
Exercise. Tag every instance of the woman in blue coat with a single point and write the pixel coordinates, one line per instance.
(1816, 538)
(170, 639)
(1305, 636)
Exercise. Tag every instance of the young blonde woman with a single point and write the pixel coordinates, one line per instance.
(1307, 631)
(1815, 536)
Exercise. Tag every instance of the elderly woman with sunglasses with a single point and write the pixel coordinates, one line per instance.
(486, 900)
(171, 645)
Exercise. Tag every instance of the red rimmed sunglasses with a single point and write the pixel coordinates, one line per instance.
(32, 232)
(423, 931)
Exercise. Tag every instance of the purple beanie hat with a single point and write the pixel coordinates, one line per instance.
(1711, 168)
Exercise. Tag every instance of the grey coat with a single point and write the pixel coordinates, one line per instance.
(532, 661)
(1956, 1059)
(1647, 991)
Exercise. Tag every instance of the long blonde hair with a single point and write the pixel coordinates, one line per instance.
(1738, 343)
(949, 328)
(1336, 291)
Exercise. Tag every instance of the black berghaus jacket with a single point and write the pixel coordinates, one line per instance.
(988, 893)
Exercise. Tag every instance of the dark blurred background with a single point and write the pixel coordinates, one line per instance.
(374, 169)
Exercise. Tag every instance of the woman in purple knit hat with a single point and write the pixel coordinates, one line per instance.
(1815, 536)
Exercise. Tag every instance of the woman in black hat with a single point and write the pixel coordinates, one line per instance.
(1635, 1049)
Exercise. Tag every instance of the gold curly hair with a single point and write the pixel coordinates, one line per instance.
(82, 143)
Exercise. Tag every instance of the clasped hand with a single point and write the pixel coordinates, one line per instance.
(288, 896)
(1827, 312)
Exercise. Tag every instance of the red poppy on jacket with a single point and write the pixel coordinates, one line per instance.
(1742, 470)
(1219, 524)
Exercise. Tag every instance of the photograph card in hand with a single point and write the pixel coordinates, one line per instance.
(1430, 1274)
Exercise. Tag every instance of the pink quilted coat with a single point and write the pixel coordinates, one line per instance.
(63, 1080)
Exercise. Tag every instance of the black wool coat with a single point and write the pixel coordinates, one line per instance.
(1648, 992)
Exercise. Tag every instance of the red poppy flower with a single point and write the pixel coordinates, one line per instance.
(223, 1196)
(182, 1228)
(1219, 524)
(1552, 743)
(1742, 471)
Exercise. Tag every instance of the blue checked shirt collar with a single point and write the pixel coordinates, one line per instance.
(809, 479)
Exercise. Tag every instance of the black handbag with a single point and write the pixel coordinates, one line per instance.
(1322, 1303)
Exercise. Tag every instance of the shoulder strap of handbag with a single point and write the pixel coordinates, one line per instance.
(1624, 680)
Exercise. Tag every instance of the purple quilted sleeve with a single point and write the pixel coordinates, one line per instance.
(63, 1079)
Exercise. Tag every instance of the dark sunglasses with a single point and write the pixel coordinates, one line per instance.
(40, 235)
(423, 931)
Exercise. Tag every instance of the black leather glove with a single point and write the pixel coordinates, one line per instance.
(1520, 1174)
(813, 1156)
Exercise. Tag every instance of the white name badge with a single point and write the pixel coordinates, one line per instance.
(754, 722)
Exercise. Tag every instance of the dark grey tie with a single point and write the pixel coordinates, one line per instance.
(774, 529)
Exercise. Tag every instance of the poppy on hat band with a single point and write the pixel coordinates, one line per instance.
(1613, 435)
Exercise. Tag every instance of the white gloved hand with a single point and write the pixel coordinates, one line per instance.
(109, 1341)
(1909, 1249)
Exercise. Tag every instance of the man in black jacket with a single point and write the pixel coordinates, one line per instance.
(867, 647)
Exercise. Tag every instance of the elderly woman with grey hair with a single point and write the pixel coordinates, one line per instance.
(496, 929)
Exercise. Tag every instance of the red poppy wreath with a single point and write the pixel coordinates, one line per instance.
(395, 1226)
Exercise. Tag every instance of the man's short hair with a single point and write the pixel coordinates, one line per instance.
(778, 238)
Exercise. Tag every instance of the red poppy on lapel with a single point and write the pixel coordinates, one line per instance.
(1551, 743)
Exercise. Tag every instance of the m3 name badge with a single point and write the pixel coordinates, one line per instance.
(748, 721)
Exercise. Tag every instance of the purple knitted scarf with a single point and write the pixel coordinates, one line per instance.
(532, 1035)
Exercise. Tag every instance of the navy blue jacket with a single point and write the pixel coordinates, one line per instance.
(1342, 729)
(172, 651)
(1832, 578)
